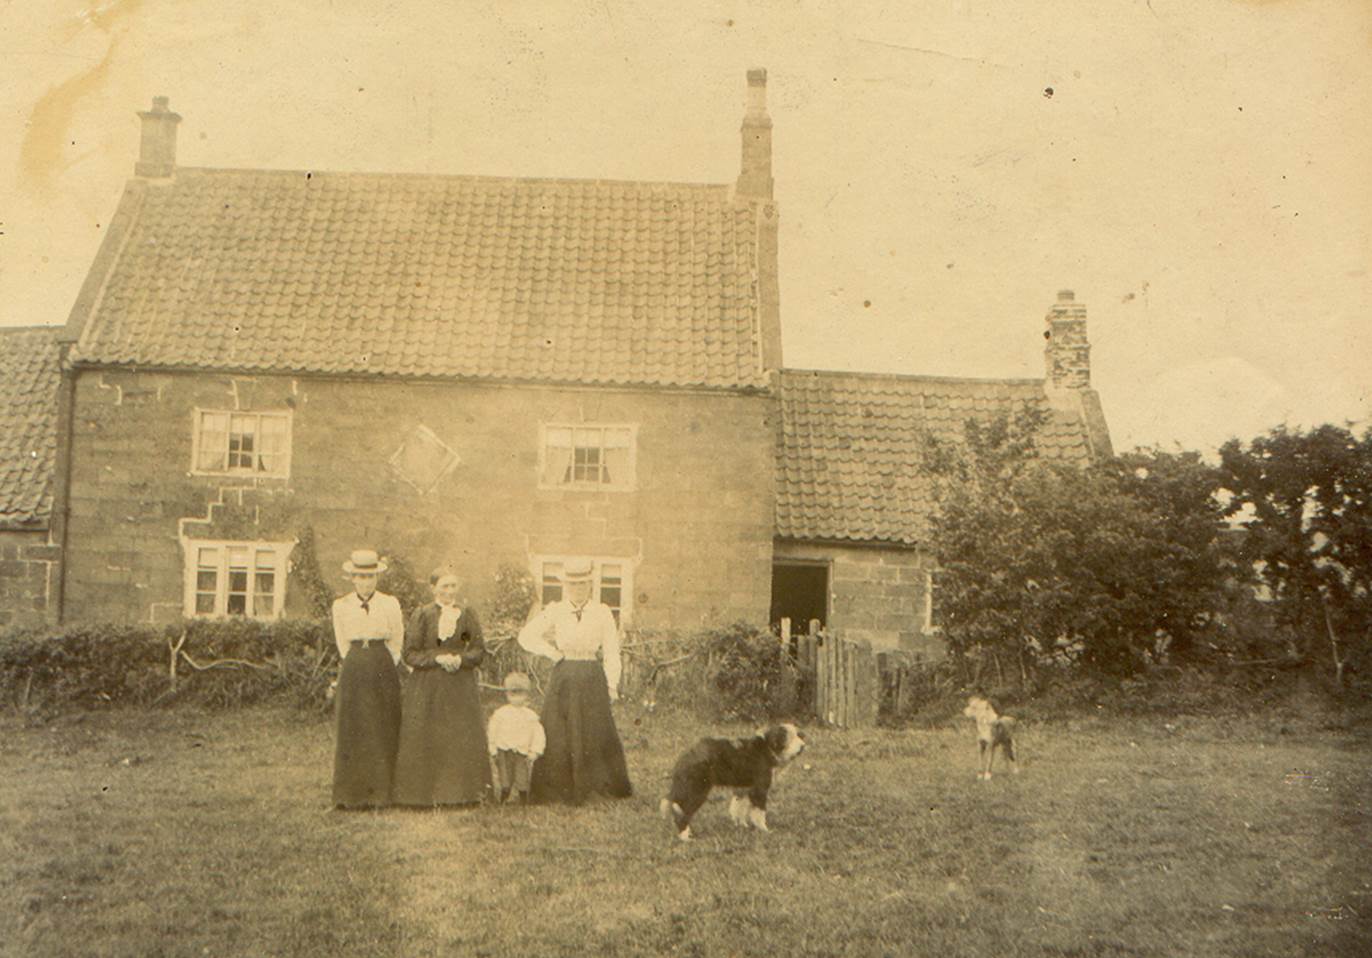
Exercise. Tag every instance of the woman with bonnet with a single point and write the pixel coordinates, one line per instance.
(583, 756)
(442, 758)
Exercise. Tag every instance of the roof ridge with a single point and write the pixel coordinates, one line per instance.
(914, 377)
(475, 177)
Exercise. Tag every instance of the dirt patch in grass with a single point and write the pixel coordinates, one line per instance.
(171, 833)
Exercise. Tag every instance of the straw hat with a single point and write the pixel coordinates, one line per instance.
(578, 570)
(364, 562)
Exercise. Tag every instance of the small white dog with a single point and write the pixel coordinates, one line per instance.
(992, 730)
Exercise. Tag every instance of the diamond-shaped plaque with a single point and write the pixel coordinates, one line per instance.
(423, 460)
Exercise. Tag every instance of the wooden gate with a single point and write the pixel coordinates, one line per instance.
(847, 686)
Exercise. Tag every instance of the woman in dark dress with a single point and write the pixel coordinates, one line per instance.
(369, 629)
(442, 758)
(584, 757)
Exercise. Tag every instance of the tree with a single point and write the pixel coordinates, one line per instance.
(1109, 567)
(1305, 501)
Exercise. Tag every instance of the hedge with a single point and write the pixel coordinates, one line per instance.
(212, 662)
(735, 672)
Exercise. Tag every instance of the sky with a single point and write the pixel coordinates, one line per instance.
(1197, 171)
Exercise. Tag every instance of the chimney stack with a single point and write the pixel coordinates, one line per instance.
(157, 149)
(755, 175)
(1067, 357)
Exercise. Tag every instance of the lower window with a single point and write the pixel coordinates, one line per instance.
(236, 578)
(610, 583)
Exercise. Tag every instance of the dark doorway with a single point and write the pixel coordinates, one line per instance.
(800, 592)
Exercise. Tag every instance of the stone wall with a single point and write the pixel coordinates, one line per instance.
(696, 530)
(28, 576)
(876, 594)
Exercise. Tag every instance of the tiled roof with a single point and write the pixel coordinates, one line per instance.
(848, 447)
(429, 276)
(30, 370)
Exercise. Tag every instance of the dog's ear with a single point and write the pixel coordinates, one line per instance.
(776, 739)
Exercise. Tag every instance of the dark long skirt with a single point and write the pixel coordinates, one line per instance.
(442, 758)
(583, 756)
(367, 715)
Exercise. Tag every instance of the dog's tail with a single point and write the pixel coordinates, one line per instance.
(668, 808)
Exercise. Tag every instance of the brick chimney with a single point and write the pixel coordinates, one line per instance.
(157, 149)
(755, 175)
(1067, 357)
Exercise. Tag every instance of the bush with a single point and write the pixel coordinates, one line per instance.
(659, 667)
(410, 588)
(212, 662)
(738, 672)
(750, 676)
(513, 597)
(84, 665)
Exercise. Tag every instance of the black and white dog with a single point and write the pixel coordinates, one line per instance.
(747, 765)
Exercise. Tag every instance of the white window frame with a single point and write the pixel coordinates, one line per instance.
(278, 555)
(930, 580)
(198, 439)
(626, 580)
(549, 430)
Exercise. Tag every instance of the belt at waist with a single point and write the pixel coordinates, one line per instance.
(579, 658)
(365, 643)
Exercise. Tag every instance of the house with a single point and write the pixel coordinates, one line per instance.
(30, 374)
(852, 545)
(476, 369)
(491, 370)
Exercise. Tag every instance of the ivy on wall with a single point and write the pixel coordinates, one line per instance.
(308, 576)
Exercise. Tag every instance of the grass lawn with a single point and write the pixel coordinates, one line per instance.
(186, 833)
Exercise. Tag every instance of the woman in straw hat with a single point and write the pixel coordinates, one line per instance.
(442, 758)
(583, 756)
(369, 629)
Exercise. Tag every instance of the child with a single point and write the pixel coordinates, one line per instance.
(515, 739)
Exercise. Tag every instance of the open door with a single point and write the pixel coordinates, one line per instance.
(800, 592)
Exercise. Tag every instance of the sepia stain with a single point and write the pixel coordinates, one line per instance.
(42, 153)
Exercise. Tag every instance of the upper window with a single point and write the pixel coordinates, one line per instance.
(587, 457)
(242, 443)
(236, 578)
(610, 584)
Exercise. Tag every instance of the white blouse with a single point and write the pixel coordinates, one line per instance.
(516, 727)
(381, 619)
(558, 632)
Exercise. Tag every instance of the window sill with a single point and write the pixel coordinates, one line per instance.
(240, 474)
(212, 617)
(585, 487)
